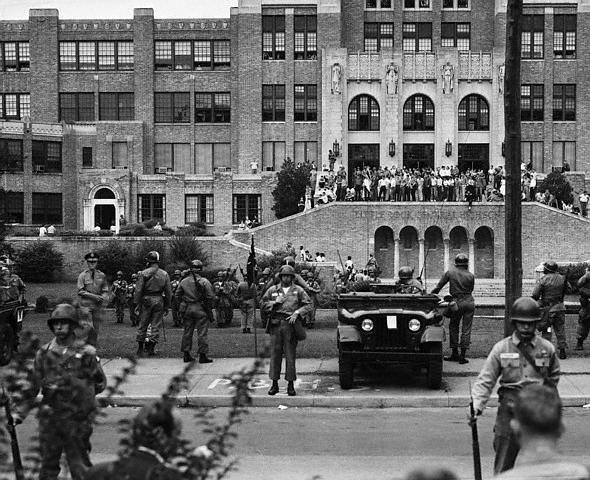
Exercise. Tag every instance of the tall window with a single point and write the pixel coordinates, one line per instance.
(417, 4)
(211, 54)
(564, 36)
(47, 208)
(13, 208)
(273, 155)
(246, 206)
(456, 4)
(76, 107)
(532, 153)
(363, 114)
(306, 152)
(212, 156)
(306, 37)
(533, 31)
(532, 101)
(418, 113)
(86, 157)
(15, 106)
(212, 107)
(306, 103)
(198, 208)
(116, 106)
(173, 157)
(11, 155)
(46, 157)
(87, 56)
(96, 55)
(456, 35)
(120, 153)
(273, 37)
(564, 152)
(192, 55)
(474, 113)
(273, 103)
(151, 207)
(564, 103)
(417, 37)
(378, 36)
(15, 57)
(172, 107)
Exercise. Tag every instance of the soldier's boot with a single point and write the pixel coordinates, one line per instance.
(291, 389)
(275, 388)
(150, 348)
(454, 355)
(139, 352)
(562, 354)
(462, 359)
(204, 359)
(187, 358)
(579, 345)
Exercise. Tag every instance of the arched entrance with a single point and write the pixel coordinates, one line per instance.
(434, 253)
(458, 243)
(385, 251)
(102, 209)
(409, 249)
(484, 253)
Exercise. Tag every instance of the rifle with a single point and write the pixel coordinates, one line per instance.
(11, 428)
(474, 438)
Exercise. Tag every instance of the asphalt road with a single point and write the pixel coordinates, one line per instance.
(346, 443)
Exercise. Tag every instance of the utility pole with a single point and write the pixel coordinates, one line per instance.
(513, 208)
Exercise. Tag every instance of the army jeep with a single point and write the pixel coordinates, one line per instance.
(11, 317)
(381, 327)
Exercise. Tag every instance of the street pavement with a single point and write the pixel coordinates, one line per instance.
(317, 385)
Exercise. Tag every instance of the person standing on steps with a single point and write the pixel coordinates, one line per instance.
(461, 283)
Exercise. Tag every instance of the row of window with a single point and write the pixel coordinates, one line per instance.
(210, 107)
(304, 41)
(103, 55)
(15, 106)
(305, 103)
(418, 4)
(532, 102)
(15, 57)
(46, 208)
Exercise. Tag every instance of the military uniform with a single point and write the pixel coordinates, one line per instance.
(176, 320)
(141, 464)
(120, 294)
(131, 302)
(93, 291)
(223, 302)
(408, 286)
(314, 289)
(247, 300)
(584, 314)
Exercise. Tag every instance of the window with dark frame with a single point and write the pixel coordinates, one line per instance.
(46, 157)
(86, 157)
(306, 152)
(378, 36)
(418, 113)
(198, 208)
(95, 55)
(564, 151)
(457, 35)
(532, 154)
(305, 103)
(76, 107)
(173, 157)
(11, 155)
(273, 103)
(273, 155)
(474, 114)
(273, 37)
(417, 4)
(15, 57)
(417, 37)
(15, 106)
(14, 207)
(116, 106)
(363, 114)
(532, 102)
(151, 207)
(564, 36)
(172, 107)
(47, 208)
(246, 206)
(305, 41)
(192, 55)
(212, 107)
(455, 4)
(564, 102)
(532, 36)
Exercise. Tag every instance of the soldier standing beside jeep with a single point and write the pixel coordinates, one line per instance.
(584, 315)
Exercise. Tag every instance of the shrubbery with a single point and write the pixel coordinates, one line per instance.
(184, 249)
(116, 256)
(39, 262)
(558, 186)
(291, 182)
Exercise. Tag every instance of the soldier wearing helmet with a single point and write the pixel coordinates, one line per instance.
(298, 280)
(131, 299)
(313, 291)
(285, 305)
(407, 283)
(461, 283)
(69, 376)
(176, 278)
(93, 293)
(153, 294)
(549, 292)
(195, 298)
(120, 293)
(224, 298)
(521, 359)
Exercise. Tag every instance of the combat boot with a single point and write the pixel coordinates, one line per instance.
(188, 357)
(139, 352)
(579, 345)
(291, 389)
(462, 359)
(204, 359)
(562, 354)
(274, 389)
(454, 356)
(150, 348)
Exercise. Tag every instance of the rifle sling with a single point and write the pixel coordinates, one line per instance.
(543, 373)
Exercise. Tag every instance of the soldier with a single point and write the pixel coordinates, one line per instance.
(407, 283)
(15, 291)
(223, 300)
(461, 283)
(195, 297)
(246, 295)
(93, 293)
(152, 295)
(284, 304)
(584, 314)
(298, 280)
(176, 278)
(314, 289)
(518, 360)
(131, 300)
(69, 375)
(549, 292)
(120, 293)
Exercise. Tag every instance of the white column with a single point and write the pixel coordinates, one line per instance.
(88, 214)
(446, 254)
(395, 256)
(421, 256)
(472, 255)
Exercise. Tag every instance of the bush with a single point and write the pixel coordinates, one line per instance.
(291, 182)
(114, 257)
(133, 230)
(39, 261)
(572, 273)
(183, 250)
(41, 304)
(558, 186)
(195, 229)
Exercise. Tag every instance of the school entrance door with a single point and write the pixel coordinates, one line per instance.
(474, 156)
(361, 156)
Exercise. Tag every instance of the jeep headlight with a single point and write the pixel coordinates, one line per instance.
(367, 325)
(414, 325)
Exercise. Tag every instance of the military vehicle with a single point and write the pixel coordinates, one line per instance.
(11, 317)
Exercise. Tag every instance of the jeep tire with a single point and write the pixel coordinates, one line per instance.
(6, 344)
(435, 367)
(345, 369)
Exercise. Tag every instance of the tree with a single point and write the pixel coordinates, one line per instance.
(39, 262)
(558, 186)
(291, 182)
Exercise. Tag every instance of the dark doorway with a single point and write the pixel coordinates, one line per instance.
(419, 155)
(385, 251)
(474, 156)
(484, 253)
(104, 216)
(409, 249)
(434, 252)
(361, 156)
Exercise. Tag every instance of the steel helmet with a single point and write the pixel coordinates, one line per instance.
(525, 309)
(461, 260)
(134, 276)
(287, 270)
(405, 273)
(197, 264)
(550, 267)
(266, 271)
(177, 273)
(64, 311)
(310, 274)
(157, 414)
(290, 261)
(152, 257)
(119, 273)
(221, 273)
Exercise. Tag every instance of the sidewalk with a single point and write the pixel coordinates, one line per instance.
(317, 385)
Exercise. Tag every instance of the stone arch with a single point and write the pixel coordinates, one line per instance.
(104, 193)
(103, 208)
(409, 248)
(458, 243)
(474, 113)
(363, 114)
(434, 252)
(418, 113)
(484, 252)
(385, 251)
